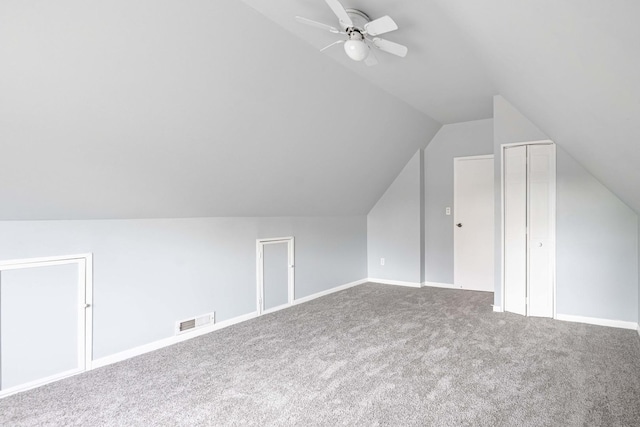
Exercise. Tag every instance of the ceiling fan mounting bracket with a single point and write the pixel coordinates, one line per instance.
(359, 19)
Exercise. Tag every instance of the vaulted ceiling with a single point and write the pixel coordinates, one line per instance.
(570, 66)
(153, 108)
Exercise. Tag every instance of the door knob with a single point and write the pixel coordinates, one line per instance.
(459, 225)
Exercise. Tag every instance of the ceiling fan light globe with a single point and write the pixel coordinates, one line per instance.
(356, 50)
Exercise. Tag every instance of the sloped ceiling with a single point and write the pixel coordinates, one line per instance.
(222, 108)
(122, 109)
(441, 76)
(573, 68)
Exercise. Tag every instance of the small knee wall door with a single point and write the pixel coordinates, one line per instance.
(528, 177)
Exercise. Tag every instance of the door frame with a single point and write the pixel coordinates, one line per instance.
(456, 161)
(260, 243)
(85, 312)
(552, 225)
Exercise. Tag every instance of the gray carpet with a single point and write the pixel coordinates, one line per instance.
(370, 355)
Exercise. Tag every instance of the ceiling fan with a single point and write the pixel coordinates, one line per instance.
(358, 28)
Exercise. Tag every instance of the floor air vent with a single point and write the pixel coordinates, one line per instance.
(194, 323)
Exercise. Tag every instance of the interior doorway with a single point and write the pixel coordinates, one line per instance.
(473, 225)
(275, 273)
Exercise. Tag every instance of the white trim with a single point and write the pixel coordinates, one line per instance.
(290, 241)
(596, 321)
(39, 382)
(516, 144)
(480, 157)
(49, 260)
(552, 225)
(156, 345)
(276, 308)
(274, 239)
(395, 282)
(85, 311)
(497, 308)
(329, 291)
(88, 312)
(441, 285)
(638, 329)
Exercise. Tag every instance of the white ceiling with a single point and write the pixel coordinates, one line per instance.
(441, 75)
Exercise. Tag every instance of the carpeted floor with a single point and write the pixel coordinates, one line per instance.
(370, 355)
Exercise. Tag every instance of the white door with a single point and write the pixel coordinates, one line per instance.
(529, 224)
(515, 229)
(473, 223)
(44, 333)
(275, 274)
(541, 176)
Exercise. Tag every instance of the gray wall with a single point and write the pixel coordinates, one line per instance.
(453, 140)
(150, 273)
(596, 246)
(393, 228)
(50, 321)
(596, 233)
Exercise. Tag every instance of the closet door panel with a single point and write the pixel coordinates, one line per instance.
(515, 229)
(541, 176)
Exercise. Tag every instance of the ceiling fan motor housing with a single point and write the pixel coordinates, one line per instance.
(359, 19)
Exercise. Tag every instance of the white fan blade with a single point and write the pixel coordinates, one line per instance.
(332, 44)
(380, 26)
(341, 13)
(318, 25)
(390, 47)
(371, 60)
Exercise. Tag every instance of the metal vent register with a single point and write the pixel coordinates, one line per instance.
(194, 323)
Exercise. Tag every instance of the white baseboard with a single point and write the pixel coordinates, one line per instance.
(329, 291)
(639, 329)
(497, 309)
(441, 285)
(596, 321)
(395, 282)
(156, 345)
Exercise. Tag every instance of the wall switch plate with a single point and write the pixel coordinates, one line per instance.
(381, 261)
(447, 210)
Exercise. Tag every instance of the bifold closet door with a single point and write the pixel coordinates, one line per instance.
(529, 209)
(515, 229)
(541, 179)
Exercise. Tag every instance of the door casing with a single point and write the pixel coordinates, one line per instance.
(260, 243)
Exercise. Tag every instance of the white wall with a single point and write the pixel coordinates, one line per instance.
(394, 227)
(150, 273)
(597, 234)
(453, 140)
